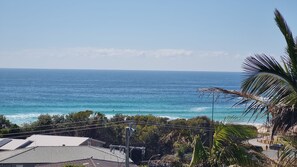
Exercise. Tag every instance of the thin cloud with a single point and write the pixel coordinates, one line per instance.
(99, 52)
(113, 58)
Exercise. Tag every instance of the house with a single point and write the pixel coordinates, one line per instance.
(48, 140)
(52, 140)
(58, 156)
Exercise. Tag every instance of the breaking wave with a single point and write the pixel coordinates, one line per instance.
(199, 109)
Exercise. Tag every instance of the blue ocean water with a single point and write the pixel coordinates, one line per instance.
(27, 93)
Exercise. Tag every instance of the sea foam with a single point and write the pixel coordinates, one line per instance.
(199, 109)
(26, 118)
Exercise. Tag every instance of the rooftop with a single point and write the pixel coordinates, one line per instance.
(55, 154)
(86, 163)
(46, 140)
(51, 140)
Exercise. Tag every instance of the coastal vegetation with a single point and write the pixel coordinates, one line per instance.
(172, 139)
(228, 148)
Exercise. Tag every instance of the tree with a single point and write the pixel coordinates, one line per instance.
(277, 83)
(7, 127)
(227, 148)
(270, 87)
(4, 122)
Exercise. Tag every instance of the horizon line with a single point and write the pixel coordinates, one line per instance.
(93, 69)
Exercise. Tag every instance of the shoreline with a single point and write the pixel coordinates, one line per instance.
(30, 118)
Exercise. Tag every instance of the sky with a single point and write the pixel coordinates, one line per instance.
(175, 35)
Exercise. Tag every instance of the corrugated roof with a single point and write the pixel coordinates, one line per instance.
(85, 162)
(50, 140)
(54, 154)
(8, 154)
(91, 162)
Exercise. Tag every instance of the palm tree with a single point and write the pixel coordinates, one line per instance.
(270, 87)
(227, 148)
(267, 78)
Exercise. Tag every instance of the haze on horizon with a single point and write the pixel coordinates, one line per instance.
(140, 35)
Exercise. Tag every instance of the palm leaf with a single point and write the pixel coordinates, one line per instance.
(288, 156)
(267, 78)
(284, 119)
(255, 103)
(291, 46)
(199, 153)
(227, 147)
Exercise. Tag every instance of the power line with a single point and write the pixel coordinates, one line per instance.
(176, 126)
(56, 124)
(81, 127)
(73, 130)
(64, 128)
(86, 121)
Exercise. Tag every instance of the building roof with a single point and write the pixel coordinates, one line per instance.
(45, 140)
(12, 144)
(55, 154)
(50, 140)
(90, 162)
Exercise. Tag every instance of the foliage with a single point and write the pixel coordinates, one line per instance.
(79, 116)
(288, 155)
(159, 135)
(199, 153)
(267, 78)
(170, 138)
(7, 127)
(269, 86)
(227, 148)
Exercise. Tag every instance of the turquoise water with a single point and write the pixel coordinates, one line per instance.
(25, 94)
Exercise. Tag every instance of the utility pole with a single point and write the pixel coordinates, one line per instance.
(211, 92)
(121, 147)
(127, 147)
(212, 124)
(128, 129)
(212, 106)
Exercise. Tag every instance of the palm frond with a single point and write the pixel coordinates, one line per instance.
(267, 78)
(288, 153)
(227, 147)
(284, 119)
(255, 103)
(291, 46)
(199, 152)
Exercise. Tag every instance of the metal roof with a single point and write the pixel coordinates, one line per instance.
(50, 140)
(43, 140)
(91, 162)
(7, 154)
(54, 154)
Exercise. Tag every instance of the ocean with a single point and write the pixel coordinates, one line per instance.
(27, 93)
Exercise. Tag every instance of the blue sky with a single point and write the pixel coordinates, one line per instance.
(140, 35)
